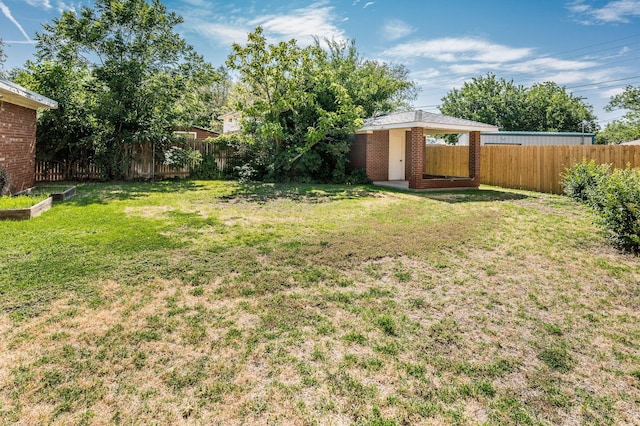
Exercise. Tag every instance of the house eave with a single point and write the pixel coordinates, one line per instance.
(18, 95)
(430, 128)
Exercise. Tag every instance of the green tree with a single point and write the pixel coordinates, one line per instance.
(618, 131)
(143, 73)
(302, 105)
(549, 108)
(489, 99)
(377, 87)
(628, 127)
(65, 134)
(542, 107)
(629, 99)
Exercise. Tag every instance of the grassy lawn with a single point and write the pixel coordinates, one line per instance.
(213, 303)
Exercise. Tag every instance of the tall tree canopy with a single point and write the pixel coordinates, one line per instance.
(302, 104)
(542, 107)
(628, 127)
(141, 79)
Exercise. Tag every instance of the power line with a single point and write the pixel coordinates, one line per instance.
(557, 55)
(603, 82)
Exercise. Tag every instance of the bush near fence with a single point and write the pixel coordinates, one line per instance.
(536, 168)
(143, 165)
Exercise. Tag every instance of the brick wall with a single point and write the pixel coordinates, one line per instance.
(415, 138)
(18, 144)
(378, 155)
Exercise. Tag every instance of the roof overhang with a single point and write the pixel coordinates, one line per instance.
(18, 95)
(431, 128)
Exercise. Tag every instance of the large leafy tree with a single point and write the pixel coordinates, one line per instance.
(487, 99)
(65, 134)
(550, 108)
(376, 87)
(542, 107)
(628, 127)
(142, 73)
(302, 104)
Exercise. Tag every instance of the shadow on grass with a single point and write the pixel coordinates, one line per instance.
(462, 196)
(103, 193)
(305, 193)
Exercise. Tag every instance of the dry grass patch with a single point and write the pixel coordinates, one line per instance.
(326, 305)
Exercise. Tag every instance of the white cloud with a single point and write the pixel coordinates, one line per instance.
(425, 76)
(549, 63)
(7, 13)
(617, 11)
(224, 34)
(44, 4)
(302, 24)
(396, 29)
(458, 49)
(369, 3)
(316, 20)
(611, 92)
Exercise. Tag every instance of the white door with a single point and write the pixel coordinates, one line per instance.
(396, 154)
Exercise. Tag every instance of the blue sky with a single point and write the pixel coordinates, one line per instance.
(590, 46)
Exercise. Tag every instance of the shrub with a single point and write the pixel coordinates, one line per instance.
(616, 199)
(177, 157)
(206, 169)
(579, 180)
(358, 177)
(4, 180)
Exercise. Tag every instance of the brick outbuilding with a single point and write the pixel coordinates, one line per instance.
(18, 107)
(391, 148)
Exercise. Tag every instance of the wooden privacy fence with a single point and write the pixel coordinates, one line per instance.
(143, 165)
(535, 168)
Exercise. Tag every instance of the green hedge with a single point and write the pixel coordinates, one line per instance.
(614, 196)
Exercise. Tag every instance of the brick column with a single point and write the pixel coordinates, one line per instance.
(378, 155)
(474, 157)
(416, 168)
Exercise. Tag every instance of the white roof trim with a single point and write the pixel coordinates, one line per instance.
(439, 127)
(15, 94)
(430, 122)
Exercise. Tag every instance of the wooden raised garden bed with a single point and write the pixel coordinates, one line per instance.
(55, 193)
(27, 213)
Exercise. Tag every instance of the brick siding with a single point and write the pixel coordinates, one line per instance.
(18, 145)
(378, 155)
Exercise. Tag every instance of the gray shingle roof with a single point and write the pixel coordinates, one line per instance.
(428, 120)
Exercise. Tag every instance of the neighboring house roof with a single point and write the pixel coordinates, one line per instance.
(427, 120)
(636, 142)
(18, 95)
(205, 130)
(230, 114)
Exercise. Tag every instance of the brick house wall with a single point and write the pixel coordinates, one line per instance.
(18, 145)
(378, 155)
